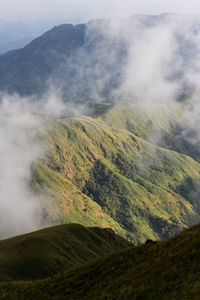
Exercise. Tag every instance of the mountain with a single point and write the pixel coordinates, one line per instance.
(54, 250)
(155, 270)
(27, 70)
(126, 169)
(86, 62)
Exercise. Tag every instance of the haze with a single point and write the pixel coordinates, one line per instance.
(83, 10)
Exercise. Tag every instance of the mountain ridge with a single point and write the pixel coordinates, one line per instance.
(54, 250)
(155, 270)
(103, 174)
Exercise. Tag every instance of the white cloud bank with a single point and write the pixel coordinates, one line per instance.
(22, 129)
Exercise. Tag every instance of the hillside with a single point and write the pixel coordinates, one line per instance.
(155, 270)
(54, 250)
(98, 172)
(169, 126)
(26, 70)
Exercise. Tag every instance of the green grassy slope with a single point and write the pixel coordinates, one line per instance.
(98, 172)
(143, 120)
(165, 125)
(54, 250)
(156, 270)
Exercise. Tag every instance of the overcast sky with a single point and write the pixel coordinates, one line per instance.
(83, 10)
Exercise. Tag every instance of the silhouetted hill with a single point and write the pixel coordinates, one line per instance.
(53, 250)
(156, 270)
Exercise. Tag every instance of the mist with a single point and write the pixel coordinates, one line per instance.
(86, 9)
(22, 130)
(19, 209)
(146, 60)
(143, 59)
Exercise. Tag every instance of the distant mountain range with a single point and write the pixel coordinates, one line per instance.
(14, 44)
(16, 34)
(84, 61)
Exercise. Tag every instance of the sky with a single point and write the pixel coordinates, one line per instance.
(76, 11)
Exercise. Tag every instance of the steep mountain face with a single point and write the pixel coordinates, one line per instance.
(111, 171)
(155, 270)
(54, 250)
(27, 70)
(86, 62)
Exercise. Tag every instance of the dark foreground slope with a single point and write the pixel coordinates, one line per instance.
(52, 250)
(161, 270)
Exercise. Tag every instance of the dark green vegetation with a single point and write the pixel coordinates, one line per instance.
(54, 250)
(156, 270)
(109, 172)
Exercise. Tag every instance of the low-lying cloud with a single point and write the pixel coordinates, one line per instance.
(140, 59)
(22, 130)
(147, 60)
